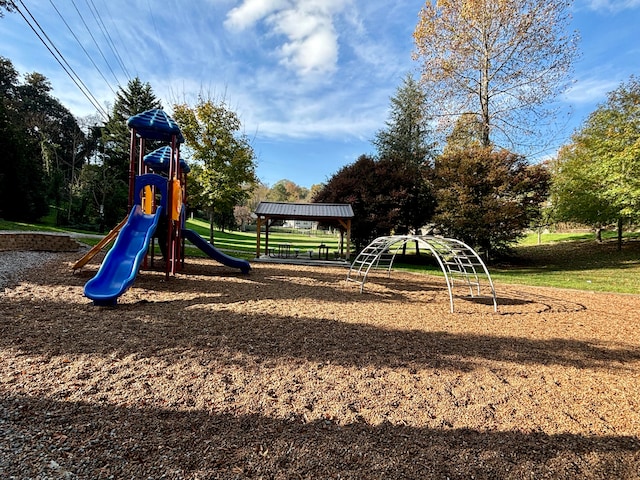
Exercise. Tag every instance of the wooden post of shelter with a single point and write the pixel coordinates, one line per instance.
(258, 230)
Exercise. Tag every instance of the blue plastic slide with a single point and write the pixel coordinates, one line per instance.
(214, 253)
(121, 264)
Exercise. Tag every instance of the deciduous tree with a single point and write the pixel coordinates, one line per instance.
(63, 144)
(501, 60)
(378, 192)
(597, 176)
(226, 157)
(287, 191)
(487, 198)
(23, 190)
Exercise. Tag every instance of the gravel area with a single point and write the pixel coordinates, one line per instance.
(13, 264)
(289, 372)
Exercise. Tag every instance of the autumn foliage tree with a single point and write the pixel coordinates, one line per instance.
(287, 191)
(501, 60)
(377, 191)
(487, 198)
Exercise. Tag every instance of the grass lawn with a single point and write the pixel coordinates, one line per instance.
(244, 243)
(563, 260)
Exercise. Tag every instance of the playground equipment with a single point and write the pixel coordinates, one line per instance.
(157, 194)
(457, 260)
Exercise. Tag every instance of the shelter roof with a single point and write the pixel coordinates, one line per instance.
(304, 211)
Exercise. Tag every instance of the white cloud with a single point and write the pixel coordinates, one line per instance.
(314, 52)
(251, 12)
(590, 91)
(308, 25)
(613, 5)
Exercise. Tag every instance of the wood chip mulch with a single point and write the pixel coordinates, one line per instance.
(290, 372)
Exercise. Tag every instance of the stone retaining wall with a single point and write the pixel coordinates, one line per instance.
(37, 241)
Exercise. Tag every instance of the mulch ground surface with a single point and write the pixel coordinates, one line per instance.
(290, 372)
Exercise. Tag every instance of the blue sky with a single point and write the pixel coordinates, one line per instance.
(310, 79)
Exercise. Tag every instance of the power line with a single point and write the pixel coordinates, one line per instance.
(105, 32)
(60, 59)
(95, 42)
(82, 47)
(117, 30)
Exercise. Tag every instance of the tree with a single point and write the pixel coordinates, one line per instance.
(5, 5)
(487, 198)
(259, 193)
(576, 191)
(466, 134)
(407, 136)
(597, 176)
(227, 160)
(22, 187)
(501, 60)
(62, 142)
(406, 142)
(287, 191)
(136, 97)
(378, 192)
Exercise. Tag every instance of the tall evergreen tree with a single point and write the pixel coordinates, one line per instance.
(407, 143)
(135, 98)
(407, 137)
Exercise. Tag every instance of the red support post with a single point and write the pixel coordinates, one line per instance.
(132, 163)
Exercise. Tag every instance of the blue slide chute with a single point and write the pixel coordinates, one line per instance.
(214, 253)
(121, 264)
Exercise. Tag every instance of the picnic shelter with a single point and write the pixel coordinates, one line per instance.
(338, 215)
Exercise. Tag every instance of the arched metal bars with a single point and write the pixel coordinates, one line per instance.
(457, 260)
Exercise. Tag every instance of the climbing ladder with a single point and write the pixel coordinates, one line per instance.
(459, 263)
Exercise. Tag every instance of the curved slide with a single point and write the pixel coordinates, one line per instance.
(214, 253)
(120, 266)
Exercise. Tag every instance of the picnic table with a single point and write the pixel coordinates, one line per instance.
(322, 248)
(282, 250)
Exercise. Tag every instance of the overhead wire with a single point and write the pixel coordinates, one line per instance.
(117, 30)
(105, 32)
(82, 47)
(96, 43)
(57, 55)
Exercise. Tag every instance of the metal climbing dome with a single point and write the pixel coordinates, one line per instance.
(458, 261)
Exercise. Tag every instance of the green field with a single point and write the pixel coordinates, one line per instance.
(564, 260)
(244, 243)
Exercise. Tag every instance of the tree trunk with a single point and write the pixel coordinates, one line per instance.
(539, 234)
(211, 240)
(598, 233)
(620, 234)
(484, 94)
